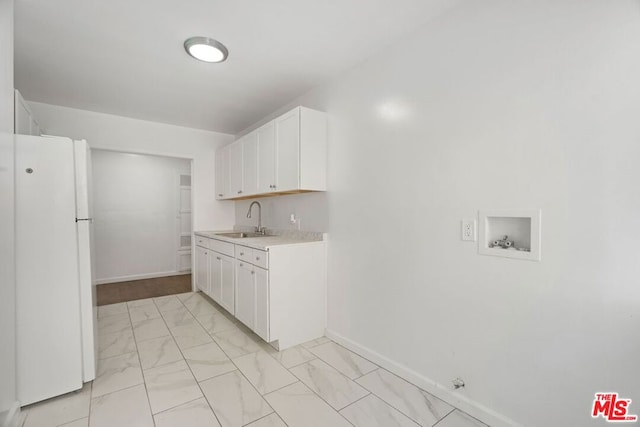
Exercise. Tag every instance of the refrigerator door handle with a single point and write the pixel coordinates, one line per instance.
(84, 219)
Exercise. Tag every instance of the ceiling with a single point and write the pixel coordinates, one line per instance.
(126, 57)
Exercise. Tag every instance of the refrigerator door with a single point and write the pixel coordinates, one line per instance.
(84, 224)
(49, 355)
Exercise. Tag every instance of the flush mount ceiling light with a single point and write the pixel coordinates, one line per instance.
(206, 49)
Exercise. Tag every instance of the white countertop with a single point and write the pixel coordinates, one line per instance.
(262, 242)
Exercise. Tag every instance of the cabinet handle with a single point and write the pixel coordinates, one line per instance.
(220, 195)
(239, 191)
(241, 253)
(257, 258)
(253, 272)
(241, 265)
(218, 258)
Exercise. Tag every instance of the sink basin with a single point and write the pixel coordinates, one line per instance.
(240, 235)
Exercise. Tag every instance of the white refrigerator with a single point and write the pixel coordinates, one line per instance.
(56, 315)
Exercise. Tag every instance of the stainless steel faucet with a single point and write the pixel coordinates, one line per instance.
(259, 228)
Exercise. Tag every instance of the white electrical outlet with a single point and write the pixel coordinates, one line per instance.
(294, 221)
(469, 230)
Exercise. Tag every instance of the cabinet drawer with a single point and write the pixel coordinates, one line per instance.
(202, 241)
(260, 258)
(244, 253)
(220, 246)
(253, 256)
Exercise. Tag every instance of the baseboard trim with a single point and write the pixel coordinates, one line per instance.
(471, 407)
(13, 416)
(141, 277)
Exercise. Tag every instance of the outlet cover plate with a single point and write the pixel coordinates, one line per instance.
(468, 230)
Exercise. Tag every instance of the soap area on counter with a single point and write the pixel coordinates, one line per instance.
(275, 283)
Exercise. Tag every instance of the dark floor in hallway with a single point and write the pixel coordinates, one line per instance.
(111, 293)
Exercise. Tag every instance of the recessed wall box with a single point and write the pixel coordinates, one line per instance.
(510, 233)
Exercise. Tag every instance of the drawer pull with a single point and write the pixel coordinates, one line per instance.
(257, 258)
(241, 253)
(241, 265)
(253, 272)
(218, 258)
(239, 191)
(220, 195)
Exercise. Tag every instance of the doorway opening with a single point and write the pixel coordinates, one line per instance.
(142, 214)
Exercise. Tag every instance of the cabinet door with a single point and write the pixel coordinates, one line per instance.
(288, 151)
(262, 303)
(245, 294)
(250, 163)
(215, 265)
(267, 158)
(235, 169)
(227, 299)
(202, 269)
(222, 173)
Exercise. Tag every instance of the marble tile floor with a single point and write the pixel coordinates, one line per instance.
(182, 360)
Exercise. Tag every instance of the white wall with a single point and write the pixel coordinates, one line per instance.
(108, 132)
(7, 231)
(136, 203)
(496, 105)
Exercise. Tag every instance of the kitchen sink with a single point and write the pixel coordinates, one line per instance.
(240, 235)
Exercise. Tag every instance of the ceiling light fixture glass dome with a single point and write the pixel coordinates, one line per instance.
(206, 49)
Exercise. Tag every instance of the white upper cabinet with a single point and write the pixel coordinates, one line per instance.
(250, 164)
(288, 151)
(235, 170)
(287, 155)
(267, 158)
(313, 150)
(222, 173)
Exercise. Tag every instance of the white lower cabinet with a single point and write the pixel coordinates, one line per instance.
(215, 265)
(202, 269)
(261, 278)
(222, 280)
(228, 297)
(245, 294)
(215, 274)
(252, 298)
(279, 293)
